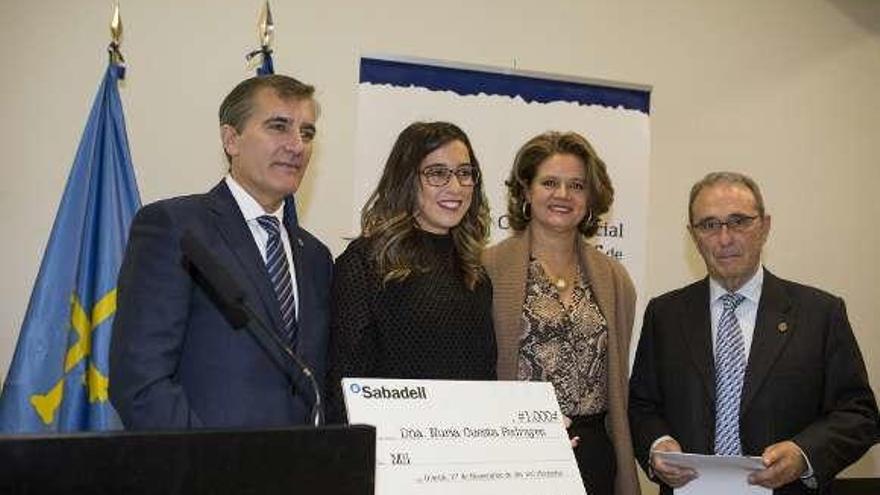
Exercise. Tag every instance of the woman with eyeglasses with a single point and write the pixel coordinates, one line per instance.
(564, 311)
(410, 298)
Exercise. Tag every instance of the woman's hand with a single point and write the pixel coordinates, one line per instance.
(575, 441)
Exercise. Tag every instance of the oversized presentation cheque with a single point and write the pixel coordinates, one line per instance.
(458, 437)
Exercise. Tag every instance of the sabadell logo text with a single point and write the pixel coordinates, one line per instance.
(415, 393)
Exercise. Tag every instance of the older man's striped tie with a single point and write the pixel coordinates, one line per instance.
(730, 366)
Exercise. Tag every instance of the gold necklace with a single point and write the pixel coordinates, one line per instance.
(560, 283)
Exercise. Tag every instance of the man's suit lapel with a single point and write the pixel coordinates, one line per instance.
(773, 327)
(696, 329)
(233, 229)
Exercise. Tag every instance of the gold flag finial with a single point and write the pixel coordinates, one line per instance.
(266, 27)
(116, 25)
(116, 36)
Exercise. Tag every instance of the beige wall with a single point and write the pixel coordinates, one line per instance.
(785, 90)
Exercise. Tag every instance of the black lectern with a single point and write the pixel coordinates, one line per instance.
(327, 460)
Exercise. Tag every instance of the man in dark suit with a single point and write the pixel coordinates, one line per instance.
(175, 361)
(745, 363)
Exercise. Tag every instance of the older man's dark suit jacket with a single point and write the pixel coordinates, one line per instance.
(175, 362)
(805, 380)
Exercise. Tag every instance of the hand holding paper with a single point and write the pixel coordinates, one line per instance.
(671, 474)
(784, 463)
(718, 475)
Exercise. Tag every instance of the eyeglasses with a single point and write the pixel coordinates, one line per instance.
(439, 175)
(734, 223)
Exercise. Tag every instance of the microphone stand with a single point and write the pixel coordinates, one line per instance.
(225, 292)
(259, 326)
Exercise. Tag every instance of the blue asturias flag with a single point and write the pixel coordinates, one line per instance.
(267, 67)
(58, 378)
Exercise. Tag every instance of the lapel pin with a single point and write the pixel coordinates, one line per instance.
(299, 241)
(782, 327)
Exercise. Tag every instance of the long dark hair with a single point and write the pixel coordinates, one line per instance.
(388, 219)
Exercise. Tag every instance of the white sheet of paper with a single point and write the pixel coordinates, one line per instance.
(719, 475)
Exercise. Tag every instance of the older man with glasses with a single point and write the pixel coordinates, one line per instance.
(745, 363)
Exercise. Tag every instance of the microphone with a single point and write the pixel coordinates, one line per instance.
(228, 296)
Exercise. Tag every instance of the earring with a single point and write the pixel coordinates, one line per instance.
(527, 210)
(589, 220)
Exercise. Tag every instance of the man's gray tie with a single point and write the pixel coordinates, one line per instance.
(730, 367)
(279, 274)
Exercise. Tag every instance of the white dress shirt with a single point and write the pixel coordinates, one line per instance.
(251, 211)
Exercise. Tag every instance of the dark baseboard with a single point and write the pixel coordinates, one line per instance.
(856, 486)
